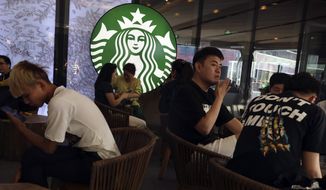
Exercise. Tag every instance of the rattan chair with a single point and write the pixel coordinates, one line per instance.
(191, 163)
(114, 117)
(125, 172)
(224, 178)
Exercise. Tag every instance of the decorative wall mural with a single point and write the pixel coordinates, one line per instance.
(27, 32)
(133, 33)
(83, 16)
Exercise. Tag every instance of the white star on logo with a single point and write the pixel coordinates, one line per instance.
(138, 17)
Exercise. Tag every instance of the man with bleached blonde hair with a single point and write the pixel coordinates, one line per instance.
(70, 114)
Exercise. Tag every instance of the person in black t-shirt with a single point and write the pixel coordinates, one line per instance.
(196, 109)
(283, 136)
(104, 92)
(181, 73)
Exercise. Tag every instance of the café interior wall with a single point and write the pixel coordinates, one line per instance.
(27, 33)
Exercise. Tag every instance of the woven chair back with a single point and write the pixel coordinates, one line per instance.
(191, 163)
(223, 178)
(114, 117)
(125, 172)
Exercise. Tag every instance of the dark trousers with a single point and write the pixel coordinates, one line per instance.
(66, 163)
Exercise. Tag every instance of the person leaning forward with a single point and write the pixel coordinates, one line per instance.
(69, 114)
(283, 136)
(196, 109)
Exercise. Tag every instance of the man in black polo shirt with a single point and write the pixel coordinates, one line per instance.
(196, 109)
(283, 136)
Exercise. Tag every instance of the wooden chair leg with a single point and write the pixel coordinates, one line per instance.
(165, 161)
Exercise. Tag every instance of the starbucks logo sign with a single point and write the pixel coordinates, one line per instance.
(133, 33)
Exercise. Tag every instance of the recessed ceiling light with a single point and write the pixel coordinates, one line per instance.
(177, 14)
(227, 32)
(275, 38)
(263, 7)
(189, 1)
(215, 11)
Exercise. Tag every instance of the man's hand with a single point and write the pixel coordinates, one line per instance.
(14, 120)
(39, 141)
(222, 88)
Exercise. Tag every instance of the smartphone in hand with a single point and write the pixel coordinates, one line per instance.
(13, 112)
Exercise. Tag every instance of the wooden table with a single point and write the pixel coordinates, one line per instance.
(12, 143)
(20, 186)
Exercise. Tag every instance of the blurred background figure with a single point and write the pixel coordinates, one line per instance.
(127, 83)
(5, 65)
(279, 83)
(181, 72)
(6, 99)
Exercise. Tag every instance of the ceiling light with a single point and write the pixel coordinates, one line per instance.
(148, 4)
(227, 32)
(275, 3)
(275, 38)
(177, 14)
(215, 11)
(263, 7)
(189, 1)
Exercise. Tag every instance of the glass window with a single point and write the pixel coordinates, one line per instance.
(267, 62)
(313, 54)
(276, 41)
(185, 52)
(83, 16)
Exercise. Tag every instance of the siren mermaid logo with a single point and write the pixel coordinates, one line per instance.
(133, 33)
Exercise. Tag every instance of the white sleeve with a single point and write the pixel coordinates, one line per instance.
(59, 118)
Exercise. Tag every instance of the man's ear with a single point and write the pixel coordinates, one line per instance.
(42, 83)
(197, 66)
(312, 99)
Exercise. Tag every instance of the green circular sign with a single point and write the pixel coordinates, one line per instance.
(133, 33)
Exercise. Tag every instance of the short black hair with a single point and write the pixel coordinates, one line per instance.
(280, 78)
(6, 59)
(305, 83)
(130, 68)
(203, 53)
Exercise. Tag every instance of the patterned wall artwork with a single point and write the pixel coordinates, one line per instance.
(27, 32)
(83, 16)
